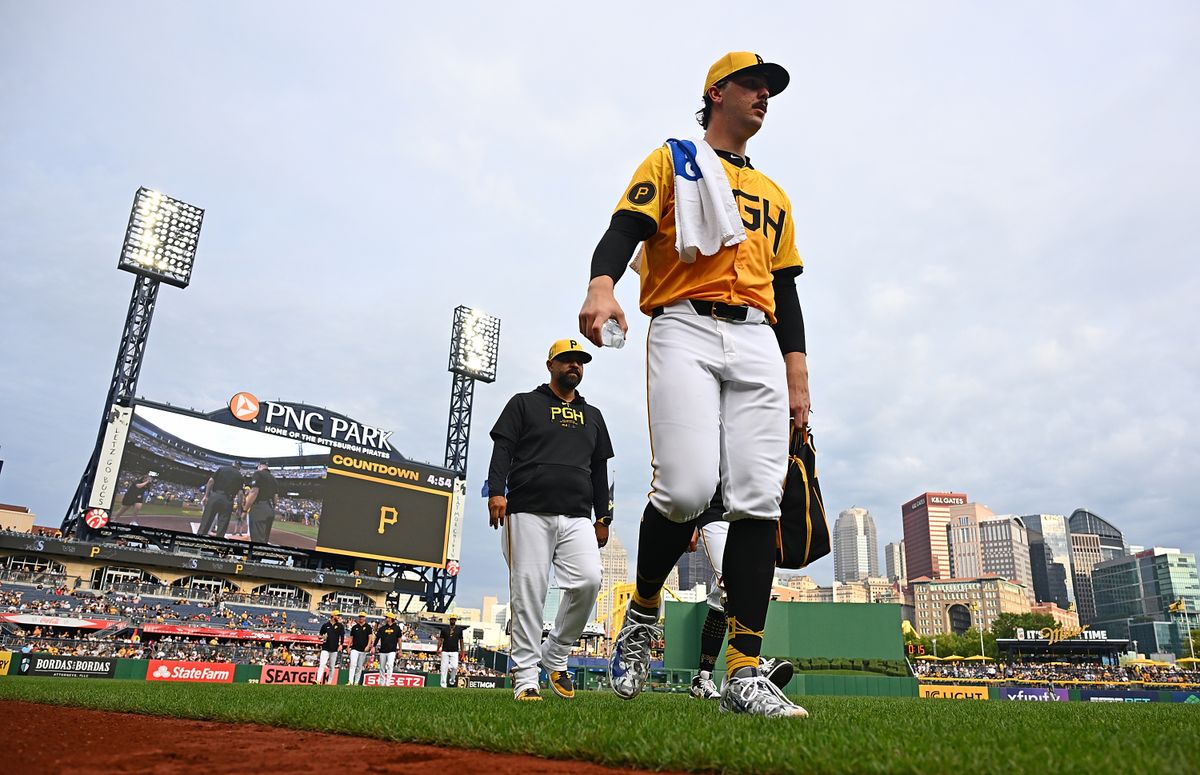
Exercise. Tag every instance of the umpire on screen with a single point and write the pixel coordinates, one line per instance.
(551, 453)
(261, 502)
(223, 486)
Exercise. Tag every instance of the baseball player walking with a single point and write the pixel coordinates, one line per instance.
(551, 451)
(362, 638)
(387, 643)
(721, 382)
(710, 535)
(450, 651)
(333, 632)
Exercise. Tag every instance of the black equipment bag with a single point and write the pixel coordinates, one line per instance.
(803, 533)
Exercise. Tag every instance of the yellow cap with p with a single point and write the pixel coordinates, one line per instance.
(746, 63)
(564, 346)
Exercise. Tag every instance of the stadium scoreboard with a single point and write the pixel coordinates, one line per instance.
(384, 510)
(341, 487)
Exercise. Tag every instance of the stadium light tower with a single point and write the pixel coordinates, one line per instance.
(159, 247)
(474, 350)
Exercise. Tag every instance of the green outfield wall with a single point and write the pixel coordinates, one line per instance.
(797, 631)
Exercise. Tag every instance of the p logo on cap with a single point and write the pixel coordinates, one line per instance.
(564, 346)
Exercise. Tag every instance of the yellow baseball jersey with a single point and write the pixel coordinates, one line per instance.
(737, 275)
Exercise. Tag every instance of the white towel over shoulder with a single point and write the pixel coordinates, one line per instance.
(706, 216)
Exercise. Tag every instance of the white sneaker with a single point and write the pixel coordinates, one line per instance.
(629, 666)
(703, 687)
(757, 696)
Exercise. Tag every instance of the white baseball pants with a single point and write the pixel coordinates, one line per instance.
(712, 538)
(532, 545)
(358, 660)
(329, 658)
(387, 662)
(718, 409)
(449, 665)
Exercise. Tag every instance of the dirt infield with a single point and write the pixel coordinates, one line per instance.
(49, 738)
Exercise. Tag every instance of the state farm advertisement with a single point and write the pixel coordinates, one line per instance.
(290, 675)
(398, 679)
(204, 672)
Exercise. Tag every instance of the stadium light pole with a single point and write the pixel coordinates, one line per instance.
(474, 352)
(159, 247)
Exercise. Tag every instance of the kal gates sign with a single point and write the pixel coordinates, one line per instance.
(202, 672)
(310, 424)
(66, 667)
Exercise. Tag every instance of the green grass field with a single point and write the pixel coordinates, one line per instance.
(844, 734)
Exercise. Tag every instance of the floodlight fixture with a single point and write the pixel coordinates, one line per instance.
(474, 344)
(160, 241)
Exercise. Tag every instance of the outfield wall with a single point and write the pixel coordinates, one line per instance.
(797, 631)
(39, 664)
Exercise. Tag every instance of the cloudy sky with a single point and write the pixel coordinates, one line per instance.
(998, 207)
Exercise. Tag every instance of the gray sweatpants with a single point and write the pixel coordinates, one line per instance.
(532, 545)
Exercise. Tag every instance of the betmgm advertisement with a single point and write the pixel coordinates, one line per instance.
(270, 472)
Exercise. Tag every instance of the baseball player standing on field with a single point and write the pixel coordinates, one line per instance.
(362, 637)
(387, 642)
(551, 452)
(450, 651)
(720, 381)
(711, 533)
(333, 632)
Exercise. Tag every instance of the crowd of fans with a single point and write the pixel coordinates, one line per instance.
(128, 638)
(1051, 673)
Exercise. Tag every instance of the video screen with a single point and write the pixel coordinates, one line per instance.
(193, 475)
(170, 457)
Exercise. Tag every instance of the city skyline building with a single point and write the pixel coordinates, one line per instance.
(1004, 547)
(1085, 555)
(855, 546)
(926, 543)
(956, 605)
(694, 568)
(553, 600)
(1050, 559)
(966, 554)
(1145, 584)
(614, 564)
(897, 572)
(1150, 597)
(1112, 540)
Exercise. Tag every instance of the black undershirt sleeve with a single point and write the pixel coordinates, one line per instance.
(625, 231)
(789, 318)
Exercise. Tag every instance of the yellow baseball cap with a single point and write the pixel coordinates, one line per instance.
(362, 613)
(563, 346)
(390, 615)
(336, 613)
(746, 62)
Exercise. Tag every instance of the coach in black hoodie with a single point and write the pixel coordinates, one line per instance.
(549, 472)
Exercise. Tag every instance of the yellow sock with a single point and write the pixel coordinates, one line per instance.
(649, 604)
(734, 658)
